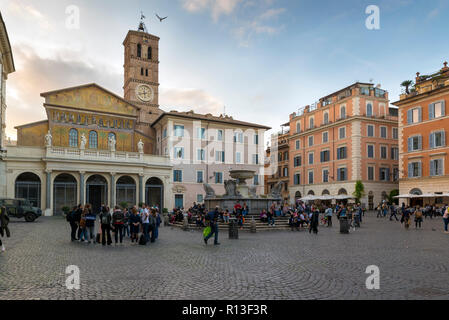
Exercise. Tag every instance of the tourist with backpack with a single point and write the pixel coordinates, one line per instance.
(73, 226)
(105, 219)
(118, 220)
(212, 217)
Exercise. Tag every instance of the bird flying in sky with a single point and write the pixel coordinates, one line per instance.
(161, 19)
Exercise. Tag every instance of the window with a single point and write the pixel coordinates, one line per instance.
(149, 53)
(285, 172)
(364, 91)
(297, 161)
(437, 109)
(219, 156)
(414, 143)
(370, 130)
(177, 176)
(325, 175)
(298, 144)
(256, 139)
(298, 127)
(384, 174)
(371, 173)
(383, 132)
(395, 133)
(141, 71)
(164, 133)
(255, 159)
(179, 131)
(369, 110)
(310, 141)
(218, 177)
(179, 153)
(219, 135)
(414, 169)
(436, 167)
(325, 137)
(370, 151)
(395, 174)
(199, 198)
(73, 138)
(201, 133)
(310, 177)
(199, 176)
(297, 179)
(139, 50)
(341, 153)
(238, 157)
(326, 118)
(93, 140)
(325, 156)
(343, 113)
(437, 139)
(146, 72)
(311, 158)
(414, 115)
(238, 137)
(311, 123)
(394, 153)
(201, 155)
(342, 174)
(286, 155)
(383, 152)
(342, 132)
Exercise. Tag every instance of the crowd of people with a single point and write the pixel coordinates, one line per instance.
(140, 224)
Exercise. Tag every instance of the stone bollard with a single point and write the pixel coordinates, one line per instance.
(253, 227)
(185, 224)
(166, 220)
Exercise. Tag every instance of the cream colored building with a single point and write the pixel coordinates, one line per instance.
(204, 148)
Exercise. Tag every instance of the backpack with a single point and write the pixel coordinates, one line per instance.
(210, 216)
(142, 240)
(104, 218)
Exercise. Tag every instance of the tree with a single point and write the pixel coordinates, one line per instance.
(407, 84)
(359, 192)
(393, 193)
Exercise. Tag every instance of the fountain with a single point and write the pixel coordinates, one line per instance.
(238, 190)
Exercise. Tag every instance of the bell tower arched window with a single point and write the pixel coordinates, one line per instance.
(150, 53)
(139, 50)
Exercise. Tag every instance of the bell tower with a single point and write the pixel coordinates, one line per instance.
(141, 83)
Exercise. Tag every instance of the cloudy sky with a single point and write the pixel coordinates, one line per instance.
(262, 59)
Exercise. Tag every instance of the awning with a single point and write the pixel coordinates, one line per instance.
(425, 195)
(326, 197)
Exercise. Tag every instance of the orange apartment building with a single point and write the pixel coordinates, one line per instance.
(349, 135)
(423, 126)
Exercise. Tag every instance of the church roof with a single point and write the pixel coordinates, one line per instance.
(44, 94)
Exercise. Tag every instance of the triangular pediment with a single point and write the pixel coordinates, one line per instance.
(90, 97)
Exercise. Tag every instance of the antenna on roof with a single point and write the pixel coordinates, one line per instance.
(224, 110)
(371, 80)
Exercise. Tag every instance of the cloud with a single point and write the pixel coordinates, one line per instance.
(272, 13)
(36, 74)
(190, 99)
(28, 13)
(216, 7)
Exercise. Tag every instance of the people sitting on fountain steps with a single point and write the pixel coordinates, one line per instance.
(212, 217)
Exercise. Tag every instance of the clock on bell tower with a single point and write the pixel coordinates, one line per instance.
(141, 86)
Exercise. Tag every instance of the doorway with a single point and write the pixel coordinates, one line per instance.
(97, 192)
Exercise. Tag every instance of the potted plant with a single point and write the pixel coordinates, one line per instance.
(65, 210)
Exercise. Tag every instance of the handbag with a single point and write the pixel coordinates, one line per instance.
(207, 231)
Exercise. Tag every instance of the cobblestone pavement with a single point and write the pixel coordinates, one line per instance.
(272, 265)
